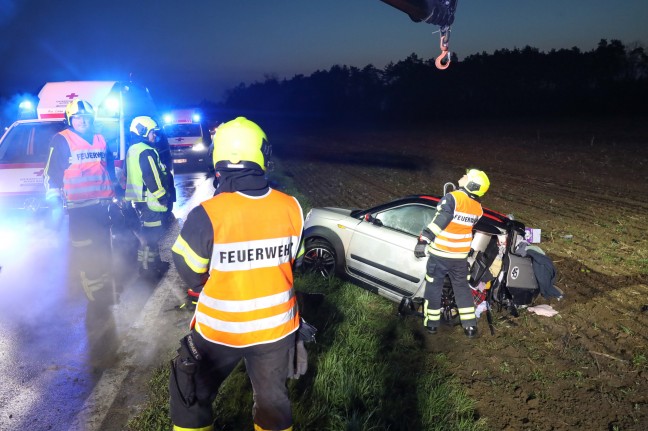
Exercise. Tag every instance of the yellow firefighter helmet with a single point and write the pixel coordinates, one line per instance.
(240, 143)
(78, 107)
(478, 182)
(143, 125)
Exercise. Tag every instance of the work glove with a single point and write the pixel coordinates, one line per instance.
(297, 356)
(191, 301)
(421, 245)
(297, 360)
(306, 332)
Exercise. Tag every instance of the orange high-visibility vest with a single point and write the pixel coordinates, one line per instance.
(249, 297)
(87, 177)
(454, 241)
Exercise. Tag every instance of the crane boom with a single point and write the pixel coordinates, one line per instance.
(436, 12)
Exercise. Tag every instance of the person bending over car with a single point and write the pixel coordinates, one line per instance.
(447, 241)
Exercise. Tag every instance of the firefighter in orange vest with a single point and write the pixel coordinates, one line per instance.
(447, 240)
(236, 250)
(80, 170)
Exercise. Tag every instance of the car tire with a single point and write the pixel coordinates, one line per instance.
(319, 258)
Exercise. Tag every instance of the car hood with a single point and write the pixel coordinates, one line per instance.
(318, 215)
(334, 210)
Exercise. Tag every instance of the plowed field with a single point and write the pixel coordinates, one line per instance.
(585, 185)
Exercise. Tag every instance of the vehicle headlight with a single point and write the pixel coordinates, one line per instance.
(199, 147)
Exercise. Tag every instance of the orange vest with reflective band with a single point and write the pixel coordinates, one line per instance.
(249, 297)
(87, 177)
(454, 241)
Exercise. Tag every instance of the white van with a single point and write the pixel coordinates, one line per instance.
(188, 139)
(24, 147)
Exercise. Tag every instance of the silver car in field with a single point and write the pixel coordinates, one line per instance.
(374, 248)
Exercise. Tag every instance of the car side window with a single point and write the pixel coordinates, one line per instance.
(410, 219)
(12, 146)
(28, 143)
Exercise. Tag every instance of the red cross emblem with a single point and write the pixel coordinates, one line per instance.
(179, 139)
(71, 95)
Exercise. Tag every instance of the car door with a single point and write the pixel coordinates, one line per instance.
(381, 250)
(23, 154)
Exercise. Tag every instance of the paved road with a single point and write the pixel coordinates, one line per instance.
(63, 367)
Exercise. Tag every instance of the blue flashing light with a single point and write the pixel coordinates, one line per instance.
(196, 118)
(112, 105)
(26, 109)
(168, 118)
(26, 105)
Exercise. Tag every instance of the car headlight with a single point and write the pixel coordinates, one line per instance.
(198, 147)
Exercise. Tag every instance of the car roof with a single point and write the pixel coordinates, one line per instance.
(38, 120)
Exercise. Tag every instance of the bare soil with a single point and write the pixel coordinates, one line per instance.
(585, 185)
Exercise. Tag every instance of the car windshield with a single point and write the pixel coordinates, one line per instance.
(182, 130)
(407, 218)
(29, 142)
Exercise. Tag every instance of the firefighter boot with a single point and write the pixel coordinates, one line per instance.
(151, 266)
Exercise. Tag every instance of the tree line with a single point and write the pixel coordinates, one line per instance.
(610, 79)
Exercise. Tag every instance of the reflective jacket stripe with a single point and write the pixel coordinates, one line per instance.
(136, 190)
(197, 264)
(454, 241)
(248, 298)
(87, 176)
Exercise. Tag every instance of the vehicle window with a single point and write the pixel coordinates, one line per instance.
(182, 130)
(408, 218)
(28, 143)
(109, 129)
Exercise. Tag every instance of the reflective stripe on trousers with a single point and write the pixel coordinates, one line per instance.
(457, 270)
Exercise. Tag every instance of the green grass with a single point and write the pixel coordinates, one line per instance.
(368, 370)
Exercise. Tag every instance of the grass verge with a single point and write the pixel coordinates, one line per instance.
(368, 370)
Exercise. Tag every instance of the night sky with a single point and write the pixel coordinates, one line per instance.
(187, 51)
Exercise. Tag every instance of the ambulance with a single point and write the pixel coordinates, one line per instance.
(188, 139)
(24, 147)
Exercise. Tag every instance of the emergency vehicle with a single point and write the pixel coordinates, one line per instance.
(188, 139)
(24, 147)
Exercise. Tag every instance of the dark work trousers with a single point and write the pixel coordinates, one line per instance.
(91, 250)
(149, 234)
(267, 367)
(457, 269)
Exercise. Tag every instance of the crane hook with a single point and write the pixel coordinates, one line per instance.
(442, 62)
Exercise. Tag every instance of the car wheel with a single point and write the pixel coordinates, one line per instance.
(319, 258)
